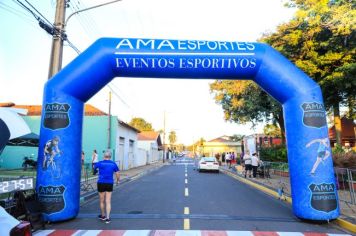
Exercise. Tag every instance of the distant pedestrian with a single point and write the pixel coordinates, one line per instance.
(82, 161)
(248, 166)
(94, 160)
(233, 157)
(280, 190)
(228, 159)
(106, 168)
(242, 158)
(83, 157)
(217, 156)
(254, 163)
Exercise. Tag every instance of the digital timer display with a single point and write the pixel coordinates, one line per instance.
(16, 184)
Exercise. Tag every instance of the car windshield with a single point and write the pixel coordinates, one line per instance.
(209, 159)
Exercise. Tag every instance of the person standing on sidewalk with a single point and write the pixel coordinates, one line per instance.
(94, 160)
(106, 168)
(254, 162)
(228, 159)
(248, 166)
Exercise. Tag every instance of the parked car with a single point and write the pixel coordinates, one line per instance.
(208, 163)
(12, 227)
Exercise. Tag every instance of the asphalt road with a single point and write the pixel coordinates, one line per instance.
(178, 197)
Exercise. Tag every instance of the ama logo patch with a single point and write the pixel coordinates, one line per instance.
(323, 197)
(56, 116)
(52, 198)
(314, 114)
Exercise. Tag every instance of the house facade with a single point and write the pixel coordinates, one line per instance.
(127, 155)
(254, 141)
(150, 142)
(348, 134)
(100, 132)
(220, 145)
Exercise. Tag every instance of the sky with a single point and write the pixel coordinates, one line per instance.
(187, 105)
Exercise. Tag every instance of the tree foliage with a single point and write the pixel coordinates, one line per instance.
(272, 130)
(237, 137)
(274, 153)
(141, 124)
(320, 40)
(172, 137)
(243, 101)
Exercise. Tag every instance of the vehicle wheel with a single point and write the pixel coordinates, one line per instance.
(218, 171)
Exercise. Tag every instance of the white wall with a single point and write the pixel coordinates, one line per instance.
(126, 161)
(142, 157)
(151, 148)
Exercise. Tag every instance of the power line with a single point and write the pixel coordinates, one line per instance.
(27, 9)
(16, 12)
(39, 13)
(118, 96)
(88, 25)
(90, 20)
(111, 89)
(70, 44)
(81, 22)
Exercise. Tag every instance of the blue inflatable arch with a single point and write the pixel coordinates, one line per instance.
(313, 186)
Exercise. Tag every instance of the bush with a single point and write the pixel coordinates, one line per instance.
(344, 159)
(274, 153)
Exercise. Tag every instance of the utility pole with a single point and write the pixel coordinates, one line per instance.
(55, 63)
(109, 119)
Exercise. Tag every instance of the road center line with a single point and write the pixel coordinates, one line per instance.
(186, 192)
(186, 210)
(186, 224)
(186, 175)
(186, 181)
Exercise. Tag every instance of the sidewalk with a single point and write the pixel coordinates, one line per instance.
(347, 211)
(89, 187)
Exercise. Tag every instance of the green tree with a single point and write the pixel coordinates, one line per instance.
(201, 142)
(237, 137)
(321, 40)
(272, 130)
(141, 124)
(172, 137)
(243, 101)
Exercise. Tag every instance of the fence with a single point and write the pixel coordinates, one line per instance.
(345, 179)
(346, 184)
(88, 179)
(11, 174)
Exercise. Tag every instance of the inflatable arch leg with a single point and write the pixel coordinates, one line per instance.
(313, 185)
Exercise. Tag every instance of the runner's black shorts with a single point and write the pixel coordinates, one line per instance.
(105, 187)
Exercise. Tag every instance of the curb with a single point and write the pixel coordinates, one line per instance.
(92, 194)
(341, 222)
(346, 225)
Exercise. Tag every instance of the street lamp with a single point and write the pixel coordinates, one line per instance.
(89, 8)
(59, 36)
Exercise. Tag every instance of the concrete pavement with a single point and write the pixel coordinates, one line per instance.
(89, 185)
(178, 197)
(347, 219)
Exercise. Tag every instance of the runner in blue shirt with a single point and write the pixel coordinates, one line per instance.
(106, 168)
